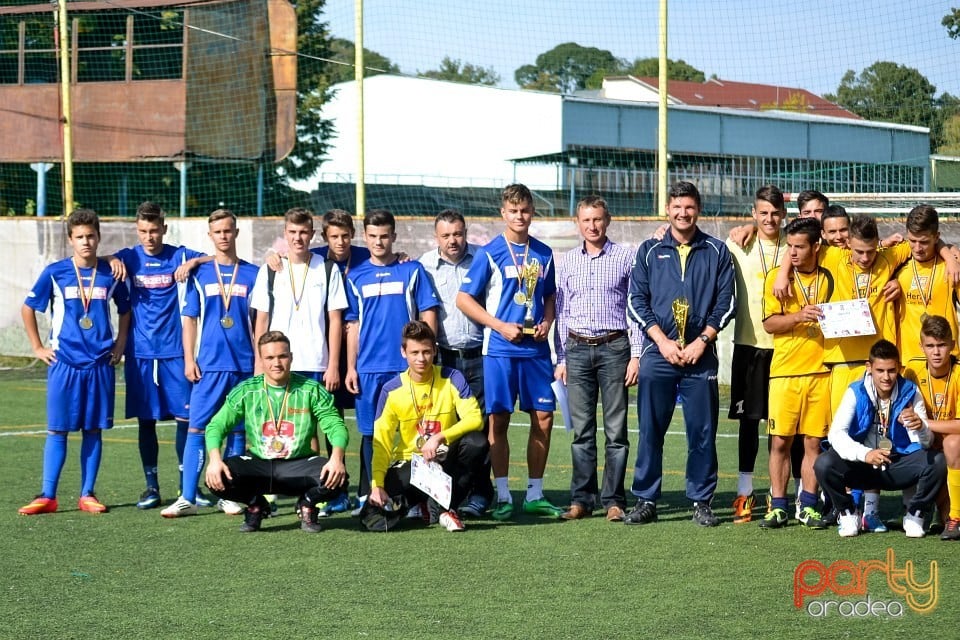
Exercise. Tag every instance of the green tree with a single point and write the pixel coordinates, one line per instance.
(890, 92)
(566, 68)
(343, 51)
(676, 69)
(457, 71)
(952, 22)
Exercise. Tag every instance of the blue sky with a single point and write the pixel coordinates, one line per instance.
(808, 44)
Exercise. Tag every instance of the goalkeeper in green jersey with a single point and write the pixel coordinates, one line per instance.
(282, 413)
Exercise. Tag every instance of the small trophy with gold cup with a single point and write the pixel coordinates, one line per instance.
(681, 307)
(529, 277)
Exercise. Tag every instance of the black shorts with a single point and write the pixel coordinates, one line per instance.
(749, 382)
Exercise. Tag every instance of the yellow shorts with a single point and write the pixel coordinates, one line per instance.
(842, 375)
(800, 405)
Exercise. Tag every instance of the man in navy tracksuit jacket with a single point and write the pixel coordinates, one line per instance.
(690, 266)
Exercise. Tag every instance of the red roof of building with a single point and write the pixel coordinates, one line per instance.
(747, 95)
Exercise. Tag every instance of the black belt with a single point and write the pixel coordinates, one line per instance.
(595, 341)
(463, 354)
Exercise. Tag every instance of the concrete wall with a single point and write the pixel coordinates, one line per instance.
(28, 244)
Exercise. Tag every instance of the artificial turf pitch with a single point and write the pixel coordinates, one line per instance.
(131, 573)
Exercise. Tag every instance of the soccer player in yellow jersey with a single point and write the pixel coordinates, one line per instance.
(926, 292)
(938, 378)
(752, 346)
(435, 415)
(799, 381)
(860, 270)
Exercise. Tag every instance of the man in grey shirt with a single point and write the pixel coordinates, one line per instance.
(460, 339)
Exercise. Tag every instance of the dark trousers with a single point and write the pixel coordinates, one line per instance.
(657, 390)
(595, 373)
(463, 463)
(253, 477)
(924, 468)
(472, 370)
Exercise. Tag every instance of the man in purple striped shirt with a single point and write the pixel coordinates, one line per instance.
(597, 355)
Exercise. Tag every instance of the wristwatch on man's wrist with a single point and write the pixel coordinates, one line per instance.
(705, 338)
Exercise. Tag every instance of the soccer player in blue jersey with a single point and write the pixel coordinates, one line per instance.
(217, 346)
(383, 295)
(514, 274)
(82, 352)
(153, 369)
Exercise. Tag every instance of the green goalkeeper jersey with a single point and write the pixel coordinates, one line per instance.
(280, 422)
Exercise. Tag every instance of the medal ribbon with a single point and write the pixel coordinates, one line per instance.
(856, 283)
(513, 257)
(916, 279)
(225, 295)
(427, 395)
(883, 415)
(85, 296)
(303, 284)
(803, 289)
(938, 406)
(277, 418)
(763, 258)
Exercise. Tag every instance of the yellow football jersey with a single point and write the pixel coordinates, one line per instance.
(852, 282)
(752, 265)
(925, 292)
(940, 395)
(798, 351)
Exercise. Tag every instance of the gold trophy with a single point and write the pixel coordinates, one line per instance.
(681, 306)
(531, 273)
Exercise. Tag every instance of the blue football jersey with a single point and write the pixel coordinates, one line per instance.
(358, 255)
(155, 298)
(59, 290)
(224, 335)
(383, 299)
(493, 277)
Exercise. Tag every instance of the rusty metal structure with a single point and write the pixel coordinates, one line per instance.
(229, 93)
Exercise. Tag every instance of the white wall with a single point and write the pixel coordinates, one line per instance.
(420, 131)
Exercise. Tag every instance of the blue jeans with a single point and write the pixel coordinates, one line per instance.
(657, 390)
(594, 373)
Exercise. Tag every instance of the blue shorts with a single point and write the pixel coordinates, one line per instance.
(506, 378)
(208, 394)
(80, 399)
(156, 388)
(366, 407)
(313, 375)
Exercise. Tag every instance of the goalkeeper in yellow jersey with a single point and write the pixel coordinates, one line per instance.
(430, 411)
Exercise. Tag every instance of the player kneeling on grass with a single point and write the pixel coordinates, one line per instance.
(282, 413)
(881, 440)
(438, 418)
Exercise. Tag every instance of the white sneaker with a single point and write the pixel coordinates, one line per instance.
(361, 500)
(848, 524)
(180, 508)
(913, 525)
(451, 522)
(230, 507)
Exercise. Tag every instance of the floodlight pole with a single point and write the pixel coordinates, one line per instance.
(66, 119)
(662, 116)
(358, 76)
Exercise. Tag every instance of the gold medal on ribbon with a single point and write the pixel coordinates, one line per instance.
(226, 293)
(924, 298)
(86, 295)
(521, 297)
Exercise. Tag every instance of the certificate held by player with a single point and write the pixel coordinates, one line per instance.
(846, 319)
(430, 478)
